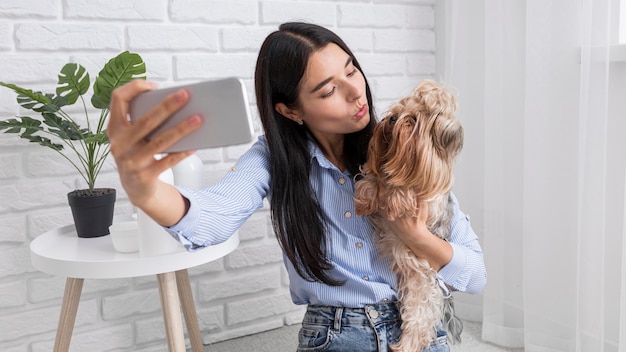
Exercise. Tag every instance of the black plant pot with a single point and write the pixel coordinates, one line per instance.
(92, 211)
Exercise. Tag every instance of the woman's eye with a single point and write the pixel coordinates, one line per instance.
(332, 91)
(351, 73)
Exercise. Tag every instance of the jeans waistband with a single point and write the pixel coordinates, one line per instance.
(337, 317)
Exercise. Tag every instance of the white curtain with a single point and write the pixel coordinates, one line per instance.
(543, 168)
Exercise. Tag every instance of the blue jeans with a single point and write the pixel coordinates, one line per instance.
(339, 329)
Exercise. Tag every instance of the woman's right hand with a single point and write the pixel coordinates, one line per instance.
(134, 155)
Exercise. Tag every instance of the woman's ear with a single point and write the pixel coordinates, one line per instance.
(288, 112)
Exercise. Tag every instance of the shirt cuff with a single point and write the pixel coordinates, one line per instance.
(187, 222)
(451, 271)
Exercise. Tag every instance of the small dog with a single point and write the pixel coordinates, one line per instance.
(410, 164)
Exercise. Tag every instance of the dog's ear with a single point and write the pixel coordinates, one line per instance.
(431, 157)
(403, 150)
(447, 136)
(439, 107)
(366, 196)
(377, 151)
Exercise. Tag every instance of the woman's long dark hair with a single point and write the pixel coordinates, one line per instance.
(298, 219)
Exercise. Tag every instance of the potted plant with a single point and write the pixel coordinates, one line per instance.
(85, 148)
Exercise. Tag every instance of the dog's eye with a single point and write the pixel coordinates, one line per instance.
(393, 119)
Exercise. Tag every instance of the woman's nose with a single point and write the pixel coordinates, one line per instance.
(353, 91)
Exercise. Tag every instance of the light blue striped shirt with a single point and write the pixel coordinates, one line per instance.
(216, 212)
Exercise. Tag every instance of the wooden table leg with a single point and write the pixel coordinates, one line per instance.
(170, 303)
(189, 310)
(67, 318)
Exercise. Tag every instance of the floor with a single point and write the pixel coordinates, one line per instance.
(285, 339)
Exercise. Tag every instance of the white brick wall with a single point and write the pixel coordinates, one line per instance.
(180, 40)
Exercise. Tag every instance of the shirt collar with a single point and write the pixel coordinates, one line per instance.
(318, 156)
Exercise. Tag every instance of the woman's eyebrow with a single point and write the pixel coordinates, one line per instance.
(323, 83)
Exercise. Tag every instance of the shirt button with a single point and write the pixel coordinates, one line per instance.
(342, 180)
(366, 278)
(359, 245)
(467, 217)
(348, 214)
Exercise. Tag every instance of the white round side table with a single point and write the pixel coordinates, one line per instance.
(62, 252)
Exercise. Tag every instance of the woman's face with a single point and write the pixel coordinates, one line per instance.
(332, 99)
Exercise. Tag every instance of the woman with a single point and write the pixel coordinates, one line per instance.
(316, 108)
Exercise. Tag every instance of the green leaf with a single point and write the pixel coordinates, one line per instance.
(73, 82)
(119, 70)
(62, 128)
(27, 127)
(58, 101)
(99, 138)
(28, 124)
(35, 101)
(46, 142)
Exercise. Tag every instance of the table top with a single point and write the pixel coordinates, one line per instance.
(62, 252)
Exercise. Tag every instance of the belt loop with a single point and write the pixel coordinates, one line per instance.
(337, 322)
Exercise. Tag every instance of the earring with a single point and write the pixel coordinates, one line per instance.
(300, 122)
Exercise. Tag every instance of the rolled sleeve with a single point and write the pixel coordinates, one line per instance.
(216, 212)
(466, 270)
(188, 222)
(451, 271)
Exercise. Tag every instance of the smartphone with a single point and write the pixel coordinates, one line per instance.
(223, 105)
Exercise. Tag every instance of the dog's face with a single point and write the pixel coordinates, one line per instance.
(411, 154)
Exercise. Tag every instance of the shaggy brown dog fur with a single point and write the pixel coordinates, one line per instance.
(410, 163)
